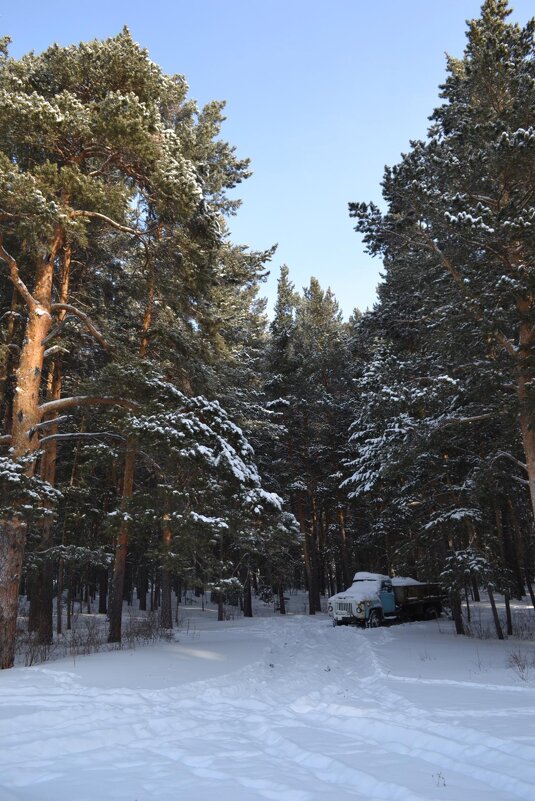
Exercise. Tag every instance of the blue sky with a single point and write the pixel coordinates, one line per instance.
(320, 95)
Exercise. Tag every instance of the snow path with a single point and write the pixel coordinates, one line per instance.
(273, 708)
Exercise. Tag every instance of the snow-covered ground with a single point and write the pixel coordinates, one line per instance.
(289, 709)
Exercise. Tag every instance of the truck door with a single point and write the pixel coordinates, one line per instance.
(388, 601)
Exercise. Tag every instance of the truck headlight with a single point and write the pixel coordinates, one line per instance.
(330, 608)
(360, 608)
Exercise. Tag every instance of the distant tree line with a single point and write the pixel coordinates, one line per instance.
(157, 432)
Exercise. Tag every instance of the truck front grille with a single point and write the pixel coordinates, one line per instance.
(343, 606)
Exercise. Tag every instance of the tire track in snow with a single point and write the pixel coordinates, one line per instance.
(316, 718)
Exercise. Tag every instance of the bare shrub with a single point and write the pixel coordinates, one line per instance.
(144, 629)
(522, 663)
(29, 649)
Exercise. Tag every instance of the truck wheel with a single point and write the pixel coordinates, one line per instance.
(374, 619)
(431, 613)
(335, 622)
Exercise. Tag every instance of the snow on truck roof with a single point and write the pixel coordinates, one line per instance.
(397, 581)
(364, 576)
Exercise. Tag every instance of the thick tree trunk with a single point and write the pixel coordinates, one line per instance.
(121, 548)
(12, 540)
(45, 591)
(26, 415)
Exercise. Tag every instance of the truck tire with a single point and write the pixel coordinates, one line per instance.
(431, 613)
(374, 619)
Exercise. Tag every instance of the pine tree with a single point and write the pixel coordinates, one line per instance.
(459, 207)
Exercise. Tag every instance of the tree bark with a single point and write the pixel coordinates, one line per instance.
(121, 548)
(12, 539)
(508, 615)
(497, 624)
(166, 610)
(525, 376)
(247, 596)
(26, 415)
(457, 612)
(344, 552)
(45, 593)
(103, 592)
(530, 589)
(282, 602)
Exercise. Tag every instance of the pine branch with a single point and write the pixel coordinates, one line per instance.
(93, 330)
(48, 423)
(87, 400)
(16, 280)
(81, 435)
(95, 215)
(505, 455)
(454, 421)
(53, 350)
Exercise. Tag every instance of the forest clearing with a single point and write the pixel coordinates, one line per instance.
(286, 708)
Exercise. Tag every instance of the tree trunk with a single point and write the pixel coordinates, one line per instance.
(457, 612)
(121, 548)
(7, 369)
(510, 552)
(282, 602)
(142, 588)
(497, 624)
(103, 592)
(247, 596)
(12, 539)
(468, 613)
(59, 598)
(508, 614)
(26, 415)
(309, 572)
(528, 432)
(344, 552)
(166, 611)
(220, 607)
(45, 594)
(530, 590)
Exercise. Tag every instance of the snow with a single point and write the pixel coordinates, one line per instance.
(363, 575)
(283, 708)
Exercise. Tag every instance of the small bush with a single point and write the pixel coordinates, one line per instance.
(522, 663)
